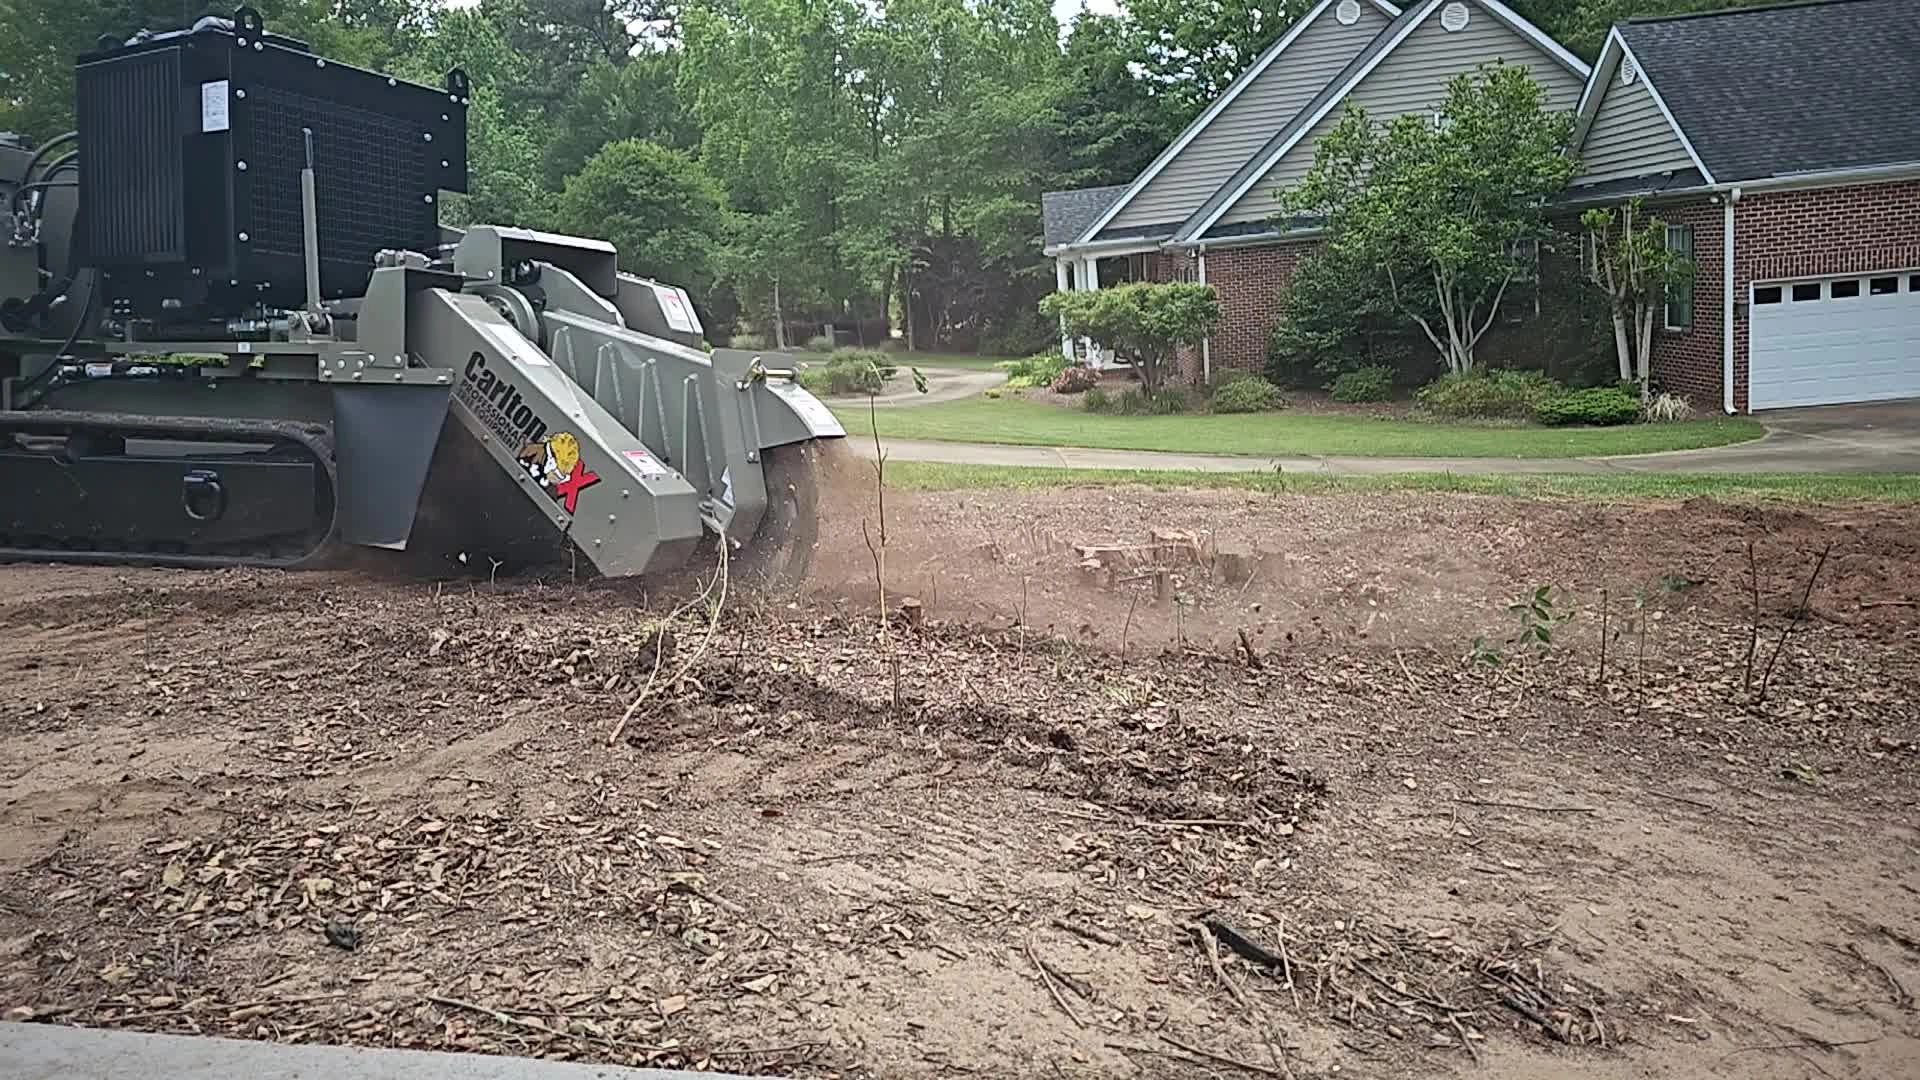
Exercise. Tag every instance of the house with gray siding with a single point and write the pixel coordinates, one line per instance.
(1205, 209)
(1779, 147)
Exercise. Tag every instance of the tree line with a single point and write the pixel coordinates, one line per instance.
(873, 164)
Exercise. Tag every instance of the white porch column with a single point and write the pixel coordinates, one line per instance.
(1090, 281)
(1062, 281)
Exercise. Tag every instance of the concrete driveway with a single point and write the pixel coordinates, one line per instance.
(1876, 437)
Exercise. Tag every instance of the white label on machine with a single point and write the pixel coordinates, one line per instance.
(645, 464)
(817, 416)
(213, 106)
(674, 308)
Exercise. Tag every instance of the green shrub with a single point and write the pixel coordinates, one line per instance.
(1600, 405)
(1134, 401)
(1247, 396)
(1365, 384)
(1075, 379)
(864, 357)
(1098, 401)
(1501, 394)
(848, 371)
(1235, 375)
(1039, 369)
(747, 341)
(820, 343)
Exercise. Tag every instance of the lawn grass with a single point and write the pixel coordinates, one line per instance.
(1032, 423)
(949, 360)
(1903, 488)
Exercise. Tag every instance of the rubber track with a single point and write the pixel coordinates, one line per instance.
(316, 439)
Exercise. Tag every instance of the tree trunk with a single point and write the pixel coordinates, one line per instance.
(1645, 359)
(906, 299)
(1622, 346)
(779, 319)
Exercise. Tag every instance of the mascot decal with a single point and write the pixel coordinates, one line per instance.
(554, 463)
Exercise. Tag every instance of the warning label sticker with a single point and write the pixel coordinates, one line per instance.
(645, 463)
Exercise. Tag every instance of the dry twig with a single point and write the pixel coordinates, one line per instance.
(1058, 998)
(1799, 616)
(1220, 1058)
(1530, 806)
(1213, 960)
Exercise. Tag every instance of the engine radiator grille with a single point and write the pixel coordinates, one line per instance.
(132, 149)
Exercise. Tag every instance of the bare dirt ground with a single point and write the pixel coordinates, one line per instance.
(335, 808)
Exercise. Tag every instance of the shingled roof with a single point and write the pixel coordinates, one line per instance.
(1797, 88)
(1066, 214)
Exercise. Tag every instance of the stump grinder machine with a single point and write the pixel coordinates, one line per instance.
(234, 332)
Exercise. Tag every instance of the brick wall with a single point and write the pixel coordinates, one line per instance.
(1791, 234)
(1778, 235)
(1688, 362)
(1249, 280)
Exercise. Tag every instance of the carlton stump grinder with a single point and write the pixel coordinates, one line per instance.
(234, 332)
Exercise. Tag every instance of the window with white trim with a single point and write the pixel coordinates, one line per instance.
(1680, 293)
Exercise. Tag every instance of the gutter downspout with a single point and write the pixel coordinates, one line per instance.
(1726, 302)
(1206, 342)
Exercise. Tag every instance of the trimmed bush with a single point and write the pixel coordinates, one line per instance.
(1097, 400)
(1039, 369)
(820, 343)
(747, 341)
(1247, 396)
(864, 357)
(1597, 405)
(1364, 384)
(1075, 379)
(840, 379)
(1502, 394)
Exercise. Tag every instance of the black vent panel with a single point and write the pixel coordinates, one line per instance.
(131, 188)
(192, 145)
(369, 178)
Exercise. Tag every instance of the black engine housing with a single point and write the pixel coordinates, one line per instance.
(191, 147)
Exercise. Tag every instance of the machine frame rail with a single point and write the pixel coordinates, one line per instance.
(202, 534)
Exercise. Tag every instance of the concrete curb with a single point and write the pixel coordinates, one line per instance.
(53, 1052)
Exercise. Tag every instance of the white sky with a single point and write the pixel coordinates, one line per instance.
(1065, 10)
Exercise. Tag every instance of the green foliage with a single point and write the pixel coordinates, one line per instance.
(747, 341)
(1539, 618)
(1247, 396)
(1192, 51)
(1133, 401)
(1040, 369)
(663, 212)
(873, 358)
(1337, 315)
(1438, 202)
(853, 371)
(819, 343)
(1075, 379)
(1144, 321)
(1364, 384)
(1597, 405)
(1488, 395)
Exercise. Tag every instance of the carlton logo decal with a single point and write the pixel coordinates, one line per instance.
(498, 404)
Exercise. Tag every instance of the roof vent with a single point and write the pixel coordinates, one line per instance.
(1453, 17)
(1348, 12)
(1629, 71)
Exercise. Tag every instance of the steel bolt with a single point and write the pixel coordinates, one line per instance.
(241, 165)
(243, 238)
(319, 62)
(427, 135)
(240, 93)
(398, 377)
(357, 375)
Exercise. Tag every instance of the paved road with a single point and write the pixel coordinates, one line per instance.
(51, 1052)
(1835, 438)
(943, 384)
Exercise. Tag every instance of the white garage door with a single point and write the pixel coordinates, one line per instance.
(1834, 340)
